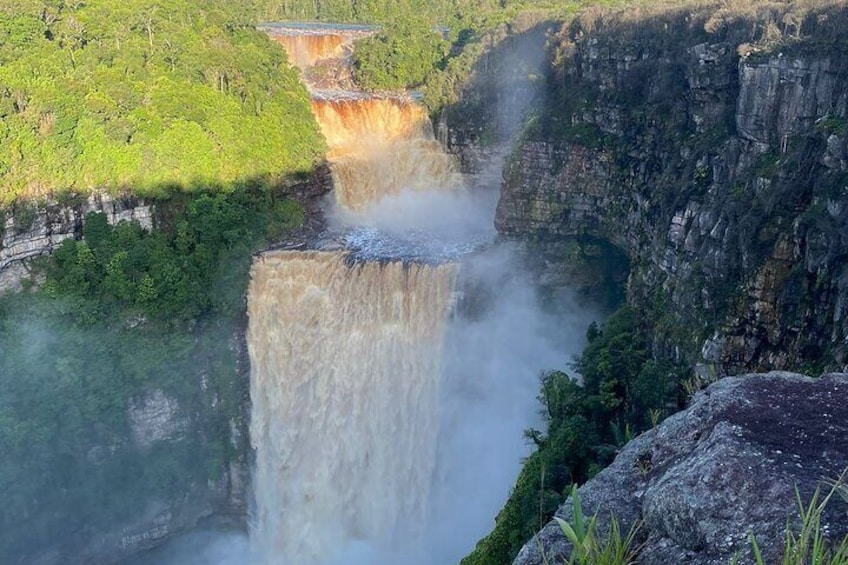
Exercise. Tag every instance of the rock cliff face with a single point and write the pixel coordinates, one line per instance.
(726, 466)
(33, 230)
(478, 129)
(723, 178)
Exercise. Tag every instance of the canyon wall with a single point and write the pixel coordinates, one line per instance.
(719, 168)
(695, 158)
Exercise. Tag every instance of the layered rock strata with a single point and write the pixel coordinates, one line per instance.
(719, 169)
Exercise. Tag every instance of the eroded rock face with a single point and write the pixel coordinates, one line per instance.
(726, 466)
(38, 229)
(723, 179)
(155, 417)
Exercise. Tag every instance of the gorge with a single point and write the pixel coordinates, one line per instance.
(365, 397)
(382, 357)
(360, 357)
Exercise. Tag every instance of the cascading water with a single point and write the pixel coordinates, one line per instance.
(346, 355)
(347, 361)
(388, 408)
(380, 146)
(310, 43)
(306, 50)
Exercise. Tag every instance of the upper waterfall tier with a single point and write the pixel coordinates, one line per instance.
(394, 185)
(380, 145)
(349, 123)
(309, 42)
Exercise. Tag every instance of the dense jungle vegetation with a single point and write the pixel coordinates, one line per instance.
(183, 102)
(143, 96)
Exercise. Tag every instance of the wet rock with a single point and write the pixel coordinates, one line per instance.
(155, 417)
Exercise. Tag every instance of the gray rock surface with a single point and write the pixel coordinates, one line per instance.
(722, 179)
(39, 228)
(726, 466)
(155, 417)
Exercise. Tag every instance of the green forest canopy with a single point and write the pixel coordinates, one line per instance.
(146, 95)
(430, 46)
(150, 95)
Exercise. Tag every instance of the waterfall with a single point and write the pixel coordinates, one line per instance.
(304, 50)
(346, 364)
(379, 147)
(390, 388)
(378, 418)
(346, 355)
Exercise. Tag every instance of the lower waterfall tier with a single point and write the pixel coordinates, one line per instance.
(346, 365)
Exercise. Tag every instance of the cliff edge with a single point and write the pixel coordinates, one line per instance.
(725, 467)
(711, 147)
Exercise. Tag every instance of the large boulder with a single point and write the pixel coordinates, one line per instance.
(726, 466)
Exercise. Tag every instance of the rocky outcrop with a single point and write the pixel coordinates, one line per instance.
(155, 417)
(723, 468)
(721, 177)
(34, 229)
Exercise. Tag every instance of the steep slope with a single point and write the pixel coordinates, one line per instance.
(717, 166)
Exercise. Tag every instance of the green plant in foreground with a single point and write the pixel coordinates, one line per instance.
(588, 548)
(808, 546)
(804, 546)
(656, 416)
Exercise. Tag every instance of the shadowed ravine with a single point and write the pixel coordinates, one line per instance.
(395, 365)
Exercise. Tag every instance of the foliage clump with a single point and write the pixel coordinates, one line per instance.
(588, 547)
(809, 543)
